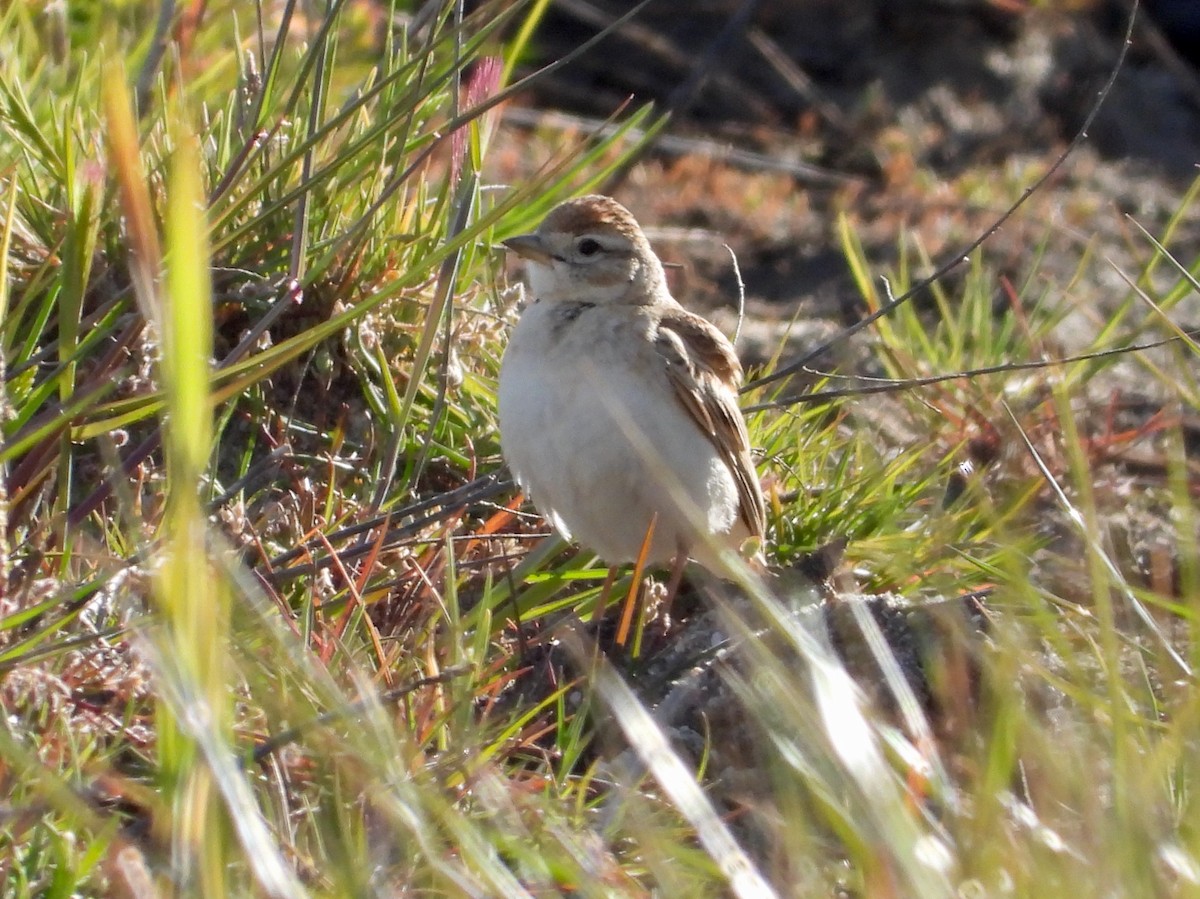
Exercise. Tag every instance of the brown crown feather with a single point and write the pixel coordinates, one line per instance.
(592, 213)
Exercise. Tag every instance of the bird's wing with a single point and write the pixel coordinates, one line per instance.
(705, 374)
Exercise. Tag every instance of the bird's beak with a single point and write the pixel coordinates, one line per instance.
(529, 246)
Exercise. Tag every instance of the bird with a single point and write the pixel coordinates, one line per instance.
(618, 408)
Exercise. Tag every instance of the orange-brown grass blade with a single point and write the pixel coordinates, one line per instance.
(631, 596)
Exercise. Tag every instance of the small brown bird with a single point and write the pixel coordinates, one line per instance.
(618, 407)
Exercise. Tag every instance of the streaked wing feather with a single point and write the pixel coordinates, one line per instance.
(705, 374)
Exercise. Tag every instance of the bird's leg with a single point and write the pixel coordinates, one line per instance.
(601, 606)
(677, 569)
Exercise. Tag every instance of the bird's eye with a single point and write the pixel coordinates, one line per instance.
(588, 246)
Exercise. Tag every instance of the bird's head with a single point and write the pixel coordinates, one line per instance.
(590, 250)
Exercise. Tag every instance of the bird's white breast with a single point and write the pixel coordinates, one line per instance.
(591, 428)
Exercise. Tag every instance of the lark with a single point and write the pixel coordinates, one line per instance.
(618, 407)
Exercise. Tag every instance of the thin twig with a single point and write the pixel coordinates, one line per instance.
(882, 385)
(448, 504)
(271, 745)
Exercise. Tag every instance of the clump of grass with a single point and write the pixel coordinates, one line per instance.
(330, 229)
